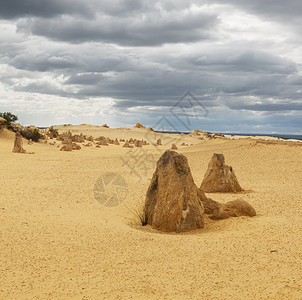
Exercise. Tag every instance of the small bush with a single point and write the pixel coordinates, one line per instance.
(9, 117)
(30, 134)
(139, 213)
(54, 133)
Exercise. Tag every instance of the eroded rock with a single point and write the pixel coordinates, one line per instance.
(127, 145)
(172, 203)
(219, 177)
(219, 211)
(18, 144)
(67, 145)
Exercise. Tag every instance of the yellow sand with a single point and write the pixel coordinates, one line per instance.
(58, 242)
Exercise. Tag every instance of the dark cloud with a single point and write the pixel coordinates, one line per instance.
(42, 62)
(11, 9)
(273, 107)
(141, 30)
(276, 10)
(143, 56)
(42, 87)
(140, 80)
(85, 79)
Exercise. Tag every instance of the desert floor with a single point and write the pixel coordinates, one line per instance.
(58, 242)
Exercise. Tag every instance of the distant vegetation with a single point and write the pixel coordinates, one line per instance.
(30, 132)
(9, 117)
(54, 133)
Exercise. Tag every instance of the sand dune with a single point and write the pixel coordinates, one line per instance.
(58, 242)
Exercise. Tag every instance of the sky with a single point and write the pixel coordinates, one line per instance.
(219, 66)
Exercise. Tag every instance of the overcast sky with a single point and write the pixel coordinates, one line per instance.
(121, 62)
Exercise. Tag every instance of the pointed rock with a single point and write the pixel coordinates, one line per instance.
(138, 143)
(67, 145)
(139, 125)
(172, 203)
(219, 177)
(78, 138)
(18, 144)
(127, 144)
(103, 141)
(89, 138)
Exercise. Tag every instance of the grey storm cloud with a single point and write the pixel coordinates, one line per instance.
(276, 9)
(272, 107)
(149, 53)
(42, 62)
(20, 8)
(85, 79)
(147, 30)
(41, 88)
(119, 74)
(12, 9)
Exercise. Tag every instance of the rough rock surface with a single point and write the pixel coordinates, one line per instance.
(138, 143)
(139, 125)
(110, 141)
(78, 138)
(18, 144)
(211, 207)
(75, 146)
(197, 132)
(172, 203)
(89, 144)
(234, 208)
(102, 141)
(219, 211)
(67, 145)
(2, 122)
(127, 144)
(219, 177)
(89, 138)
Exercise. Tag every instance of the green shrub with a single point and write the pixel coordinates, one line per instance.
(31, 134)
(9, 117)
(54, 133)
